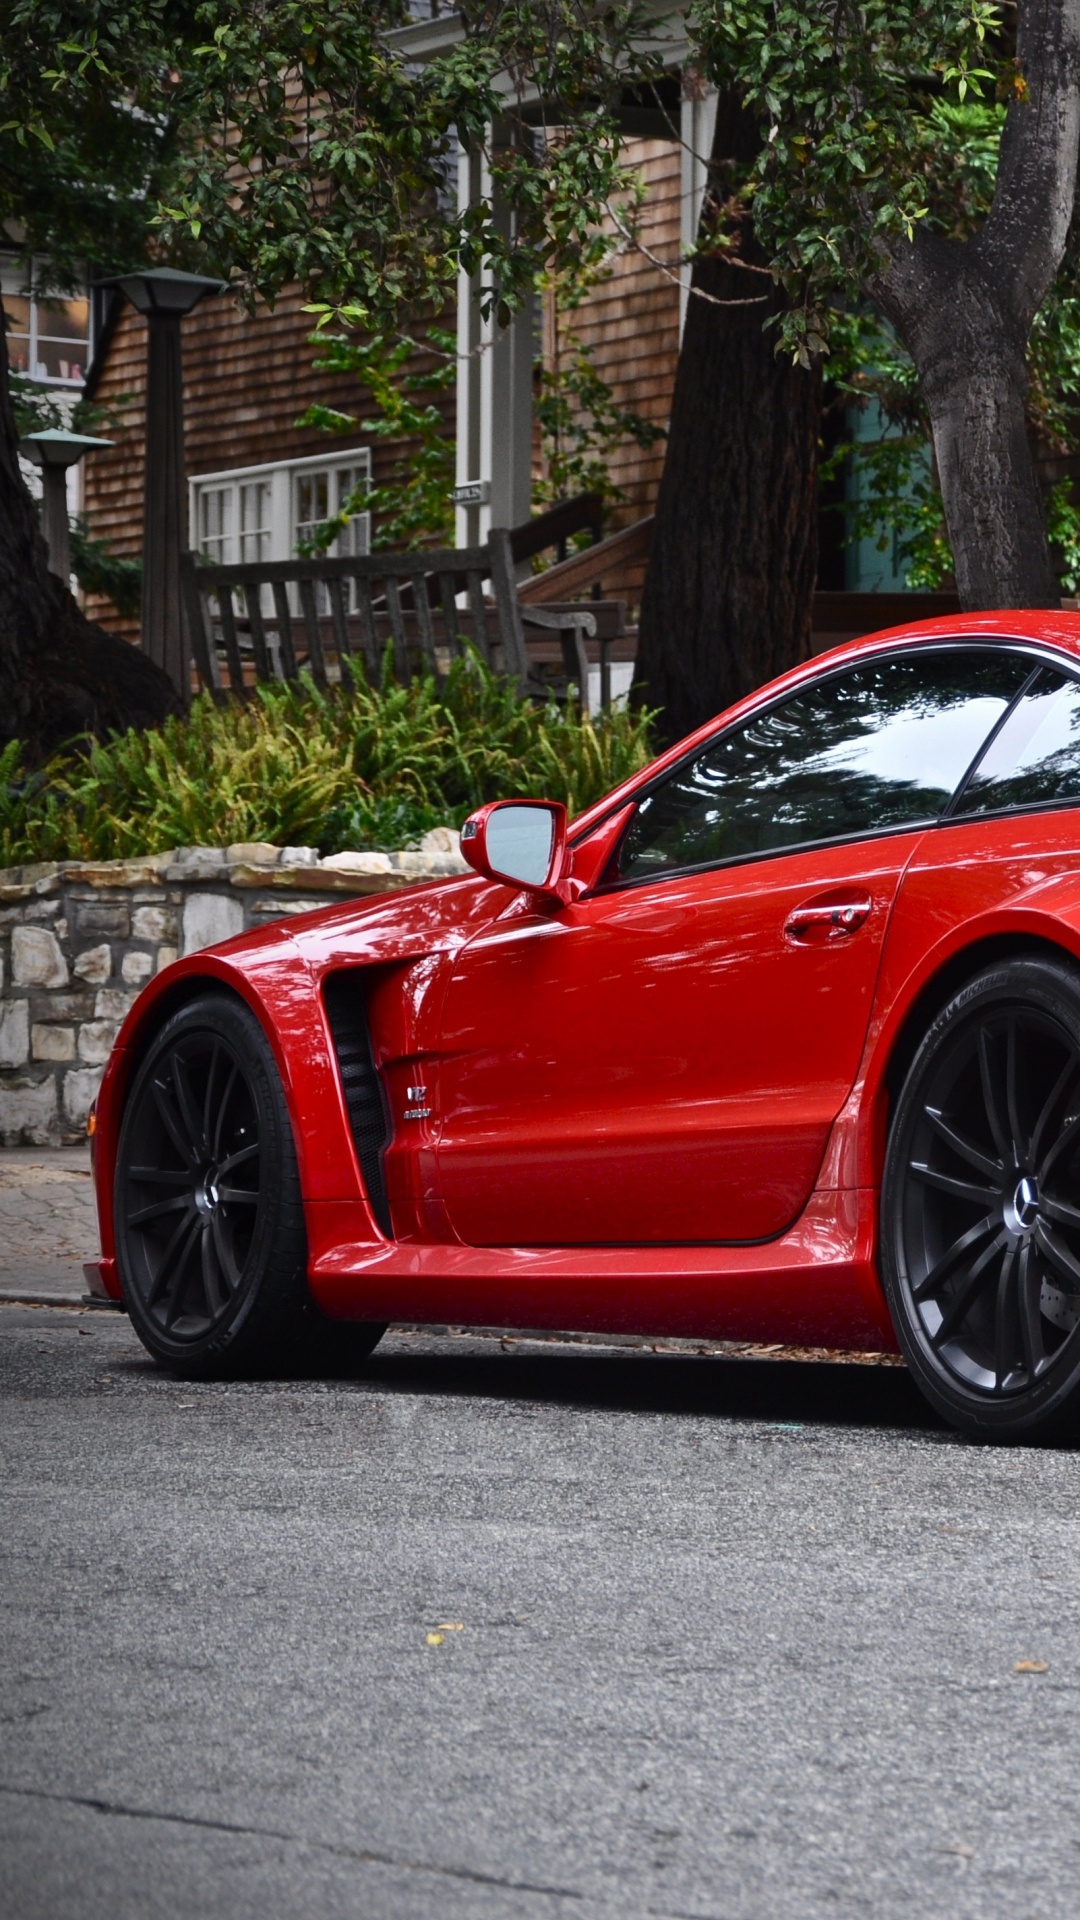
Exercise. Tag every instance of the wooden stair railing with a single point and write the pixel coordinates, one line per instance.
(573, 578)
(582, 513)
(843, 615)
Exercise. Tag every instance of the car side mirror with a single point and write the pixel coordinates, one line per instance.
(520, 843)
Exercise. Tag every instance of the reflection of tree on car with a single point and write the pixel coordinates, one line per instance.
(1035, 760)
(861, 751)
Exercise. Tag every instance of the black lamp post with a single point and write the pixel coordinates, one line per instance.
(54, 450)
(165, 295)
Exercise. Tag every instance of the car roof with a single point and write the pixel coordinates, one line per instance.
(1050, 627)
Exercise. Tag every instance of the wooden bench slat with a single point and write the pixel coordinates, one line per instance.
(232, 645)
(253, 603)
(316, 661)
(448, 596)
(340, 619)
(368, 633)
(198, 619)
(506, 600)
(425, 628)
(286, 650)
(479, 613)
(397, 629)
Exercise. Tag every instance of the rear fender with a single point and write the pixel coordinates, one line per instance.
(1045, 917)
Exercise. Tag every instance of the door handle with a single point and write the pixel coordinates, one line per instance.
(819, 921)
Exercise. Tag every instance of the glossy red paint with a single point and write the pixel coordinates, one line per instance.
(640, 1067)
(656, 1109)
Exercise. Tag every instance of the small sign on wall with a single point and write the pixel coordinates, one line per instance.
(473, 493)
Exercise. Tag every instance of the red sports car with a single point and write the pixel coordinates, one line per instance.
(781, 1042)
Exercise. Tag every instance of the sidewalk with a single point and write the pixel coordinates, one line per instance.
(48, 1224)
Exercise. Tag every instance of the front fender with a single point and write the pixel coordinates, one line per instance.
(278, 972)
(274, 979)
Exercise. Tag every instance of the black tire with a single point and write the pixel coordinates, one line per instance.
(980, 1206)
(214, 1275)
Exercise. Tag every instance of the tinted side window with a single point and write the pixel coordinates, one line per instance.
(1035, 759)
(882, 745)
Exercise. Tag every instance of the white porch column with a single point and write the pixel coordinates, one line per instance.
(697, 129)
(494, 393)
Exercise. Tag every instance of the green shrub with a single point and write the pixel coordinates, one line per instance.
(358, 766)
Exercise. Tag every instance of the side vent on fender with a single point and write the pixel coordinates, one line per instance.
(343, 994)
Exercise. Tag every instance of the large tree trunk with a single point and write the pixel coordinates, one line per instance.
(728, 594)
(60, 676)
(964, 311)
(973, 375)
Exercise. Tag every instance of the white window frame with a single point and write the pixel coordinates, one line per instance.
(32, 268)
(283, 476)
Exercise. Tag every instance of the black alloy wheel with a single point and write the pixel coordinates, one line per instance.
(210, 1238)
(981, 1205)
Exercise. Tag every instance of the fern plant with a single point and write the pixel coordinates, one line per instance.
(355, 765)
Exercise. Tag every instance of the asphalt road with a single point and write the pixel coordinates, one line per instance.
(718, 1638)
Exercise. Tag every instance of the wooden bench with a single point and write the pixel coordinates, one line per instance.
(268, 620)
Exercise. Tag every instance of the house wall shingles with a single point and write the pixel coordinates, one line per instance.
(630, 325)
(247, 380)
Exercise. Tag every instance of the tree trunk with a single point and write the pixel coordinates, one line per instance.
(975, 389)
(728, 594)
(964, 311)
(60, 676)
(969, 348)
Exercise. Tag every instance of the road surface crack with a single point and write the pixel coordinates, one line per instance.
(366, 1856)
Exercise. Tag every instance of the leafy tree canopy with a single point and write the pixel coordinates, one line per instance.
(278, 142)
(282, 142)
(870, 124)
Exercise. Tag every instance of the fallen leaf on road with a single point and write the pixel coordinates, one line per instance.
(451, 1626)
(435, 1639)
(1031, 1666)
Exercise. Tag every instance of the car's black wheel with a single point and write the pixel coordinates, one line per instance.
(981, 1205)
(210, 1238)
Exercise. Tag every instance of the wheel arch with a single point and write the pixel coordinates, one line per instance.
(289, 1011)
(174, 995)
(952, 972)
(984, 1361)
(177, 988)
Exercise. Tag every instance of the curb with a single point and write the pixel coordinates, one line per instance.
(26, 1297)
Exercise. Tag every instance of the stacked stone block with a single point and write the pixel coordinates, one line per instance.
(79, 940)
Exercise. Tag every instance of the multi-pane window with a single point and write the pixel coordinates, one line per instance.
(48, 336)
(312, 505)
(275, 512)
(355, 537)
(320, 495)
(256, 519)
(216, 523)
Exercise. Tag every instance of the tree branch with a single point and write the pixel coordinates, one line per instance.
(1022, 241)
(1013, 259)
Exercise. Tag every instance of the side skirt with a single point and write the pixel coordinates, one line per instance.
(815, 1286)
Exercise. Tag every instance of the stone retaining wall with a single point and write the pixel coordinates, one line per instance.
(78, 940)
